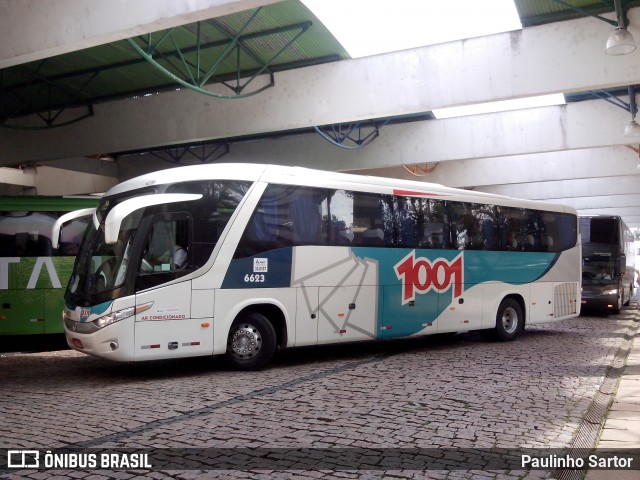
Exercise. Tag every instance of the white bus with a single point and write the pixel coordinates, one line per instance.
(243, 259)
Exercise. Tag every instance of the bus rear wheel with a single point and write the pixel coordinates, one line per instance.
(251, 342)
(509, 320)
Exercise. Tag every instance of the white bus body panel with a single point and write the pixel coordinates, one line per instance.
(462, 313)
(167, 329)
(347, 313)
(343, 289)
(541, 303)
(306, 315)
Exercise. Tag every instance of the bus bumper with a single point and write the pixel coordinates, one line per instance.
(114, 342)
(607, 301)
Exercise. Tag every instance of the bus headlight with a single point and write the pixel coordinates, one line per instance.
(114, 317)
(613, 291)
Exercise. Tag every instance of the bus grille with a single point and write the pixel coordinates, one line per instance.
(565, 299)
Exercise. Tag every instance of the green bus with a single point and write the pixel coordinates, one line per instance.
(33, 274)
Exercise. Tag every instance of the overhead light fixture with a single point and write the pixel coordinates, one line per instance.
(632, 129)
(620, 42)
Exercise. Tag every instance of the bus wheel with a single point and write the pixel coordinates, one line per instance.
(509, 320)
(251, 342)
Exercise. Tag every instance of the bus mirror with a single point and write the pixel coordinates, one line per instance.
(117, 213)
(622, 263)
(67, 217)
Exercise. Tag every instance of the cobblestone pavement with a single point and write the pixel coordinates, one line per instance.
(424, 396)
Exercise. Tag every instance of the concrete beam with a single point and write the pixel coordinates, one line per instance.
(615, 195)
(14, 176)
(615, 200)
(87, 177)
(628, 214)
(57, 181)
(563, 191)
(626, 205)
(588, 124)
(529, 168)
(106, 168)
(33, 29)
(564, 57)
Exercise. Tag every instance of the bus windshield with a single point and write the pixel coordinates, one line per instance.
(154, 240)
(600, 268)
(102, 267)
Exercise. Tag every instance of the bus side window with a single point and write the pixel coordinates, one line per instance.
(487, 233)
(25, 233)
(405, 227)
(372, 219)
(514, 230)
(337, 218)
(305, 212)
(466, 226)
(211, 213)
(7, 245)
(561, 231)
(435, 231)
(167, 247)
(286, 216)
(32, 245)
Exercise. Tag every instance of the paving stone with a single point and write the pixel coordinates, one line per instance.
(461, 392)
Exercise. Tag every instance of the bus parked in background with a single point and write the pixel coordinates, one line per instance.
(33, 274)
(608, 264)
(284, 256)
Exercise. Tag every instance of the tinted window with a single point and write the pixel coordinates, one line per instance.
(167, 250)
(286, 216)
(599, 230)
(211, 213)
(289, 216)
(28, 234)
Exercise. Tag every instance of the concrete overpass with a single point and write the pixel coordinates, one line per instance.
(574, 154)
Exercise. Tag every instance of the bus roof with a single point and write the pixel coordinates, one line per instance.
(322, 178)
(46, 203)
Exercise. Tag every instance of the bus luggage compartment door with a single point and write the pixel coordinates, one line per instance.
(402, 318)
(541, 300)
(306, 316)
(347, 313)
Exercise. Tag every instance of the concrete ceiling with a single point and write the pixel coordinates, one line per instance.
(574, 154)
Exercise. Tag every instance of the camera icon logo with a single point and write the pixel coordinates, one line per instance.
(23, 459)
